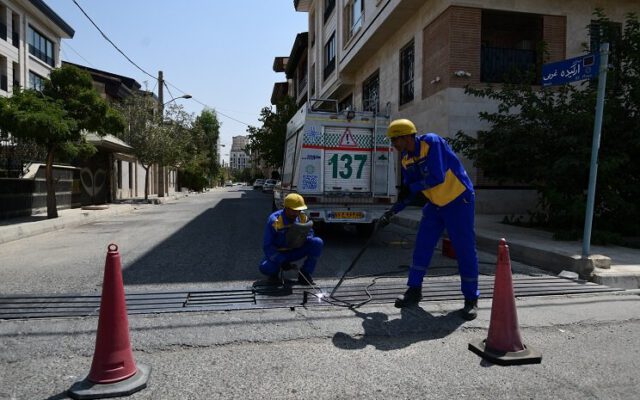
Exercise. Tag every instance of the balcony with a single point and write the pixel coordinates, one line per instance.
(41, 55)
(3, 31)
(15, 39)
(501, 65)
(3, 83)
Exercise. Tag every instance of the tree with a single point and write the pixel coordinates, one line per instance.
(542, 137)
(202, 167)
(56, 117)
(268, 140)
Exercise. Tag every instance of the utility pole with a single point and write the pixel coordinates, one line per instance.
(161, 172)
(160, 93)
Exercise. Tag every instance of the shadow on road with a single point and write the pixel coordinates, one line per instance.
(414, 325)
(223, 243)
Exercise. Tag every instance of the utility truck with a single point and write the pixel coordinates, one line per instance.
(341, 162)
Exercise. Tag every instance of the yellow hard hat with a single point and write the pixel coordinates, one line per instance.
(295, 202)
(401, 127)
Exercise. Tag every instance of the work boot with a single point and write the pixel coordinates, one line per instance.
(470, 310)
(411, 297)
(305, 279)
(274, 279)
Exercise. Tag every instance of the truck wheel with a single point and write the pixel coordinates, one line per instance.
(365, 229)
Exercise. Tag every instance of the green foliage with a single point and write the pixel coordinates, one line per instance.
(56, 117)
(542, 137)
(268, 140)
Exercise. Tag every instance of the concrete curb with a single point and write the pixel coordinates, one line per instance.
(10, 233)
(526, 252)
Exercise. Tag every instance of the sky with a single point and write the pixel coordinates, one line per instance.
(219, 51)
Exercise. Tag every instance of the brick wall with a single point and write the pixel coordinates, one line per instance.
(452, 43)
(554, 33)
(435, 54)
(466, 26)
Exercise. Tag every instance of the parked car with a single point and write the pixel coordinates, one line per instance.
(258, 183)
(228, 183)
(269, 185)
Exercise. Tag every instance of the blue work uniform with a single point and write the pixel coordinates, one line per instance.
(434, 170)
(275, 247)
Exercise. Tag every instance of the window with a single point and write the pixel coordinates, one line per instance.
(36, 82)
(352, 18)
(508, 47)
(357, 11)
(330, 56)
(41, 47)
(406, 73)
(329, 5)
(371, 93)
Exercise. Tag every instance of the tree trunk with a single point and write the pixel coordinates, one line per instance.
(146, 182)
(52, 209)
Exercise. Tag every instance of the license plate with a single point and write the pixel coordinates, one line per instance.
(348, 215)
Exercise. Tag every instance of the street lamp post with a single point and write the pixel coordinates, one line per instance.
(162, 178)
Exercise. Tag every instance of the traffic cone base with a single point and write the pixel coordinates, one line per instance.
(503, 344)
(526, 356)
(86, 389)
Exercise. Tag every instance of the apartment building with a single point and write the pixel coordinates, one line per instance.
(239, 159)
(413, 59)
(30, 36)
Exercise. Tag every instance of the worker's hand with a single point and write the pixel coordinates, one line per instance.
(386, 218)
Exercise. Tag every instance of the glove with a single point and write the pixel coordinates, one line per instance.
(386, 218)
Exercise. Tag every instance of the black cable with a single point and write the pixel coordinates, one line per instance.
(109, 40)
(104, 35)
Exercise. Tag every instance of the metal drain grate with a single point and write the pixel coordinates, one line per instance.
(262, 296)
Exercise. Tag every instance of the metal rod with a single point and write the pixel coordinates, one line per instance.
(595, 146)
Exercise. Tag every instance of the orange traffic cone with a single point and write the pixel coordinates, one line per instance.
(113, 370)
(504, 344)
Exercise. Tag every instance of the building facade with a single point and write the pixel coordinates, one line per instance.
(413, 58)
(239, 158)
(30, 37)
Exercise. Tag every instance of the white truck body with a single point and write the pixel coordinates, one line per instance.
(344, 167)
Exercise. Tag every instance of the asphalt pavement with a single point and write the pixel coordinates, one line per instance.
(589, 342)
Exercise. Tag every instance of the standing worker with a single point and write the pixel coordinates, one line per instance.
(288, 237)
(430, 167)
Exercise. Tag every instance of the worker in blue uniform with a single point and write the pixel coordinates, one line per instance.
(430, 167)
(288, 237)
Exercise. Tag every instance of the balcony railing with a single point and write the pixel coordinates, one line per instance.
(501, 65)
(41, 55)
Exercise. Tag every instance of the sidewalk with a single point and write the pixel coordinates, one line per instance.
(20, 228)
(615, 266)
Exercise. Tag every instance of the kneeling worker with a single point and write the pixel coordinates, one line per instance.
(288, 237)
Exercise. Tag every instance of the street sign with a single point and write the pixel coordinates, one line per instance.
(570, 70)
